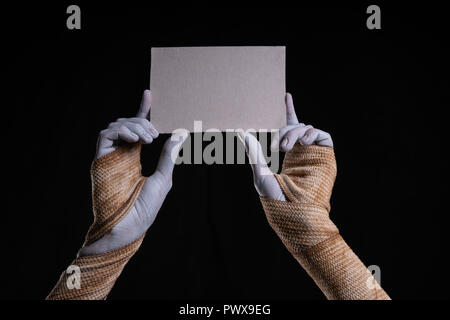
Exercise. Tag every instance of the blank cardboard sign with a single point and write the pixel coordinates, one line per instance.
(224, 87)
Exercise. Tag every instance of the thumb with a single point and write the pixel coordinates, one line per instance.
(169, 153)
(255, 154)
(264, 180)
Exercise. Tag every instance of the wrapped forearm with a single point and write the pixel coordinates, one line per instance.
(303, 225)
(116, 184)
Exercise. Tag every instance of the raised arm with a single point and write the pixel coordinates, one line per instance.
(297, 206)
(125, 204)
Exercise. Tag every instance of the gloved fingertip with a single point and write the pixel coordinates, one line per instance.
(241, 136)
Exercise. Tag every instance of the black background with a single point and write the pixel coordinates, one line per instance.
(380, 93)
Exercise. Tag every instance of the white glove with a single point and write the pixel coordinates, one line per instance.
(156, 187)
(294, 132)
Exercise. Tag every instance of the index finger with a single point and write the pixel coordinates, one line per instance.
(291, 117)
(144, 109)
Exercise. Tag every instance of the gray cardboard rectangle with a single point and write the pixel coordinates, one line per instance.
(224, 87)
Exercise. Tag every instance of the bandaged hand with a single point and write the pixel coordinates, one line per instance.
(125, 204)
(294, 133)
(297, 205)
(134, 132)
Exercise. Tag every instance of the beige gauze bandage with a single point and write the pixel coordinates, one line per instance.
(303, 225)
(116, 184)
